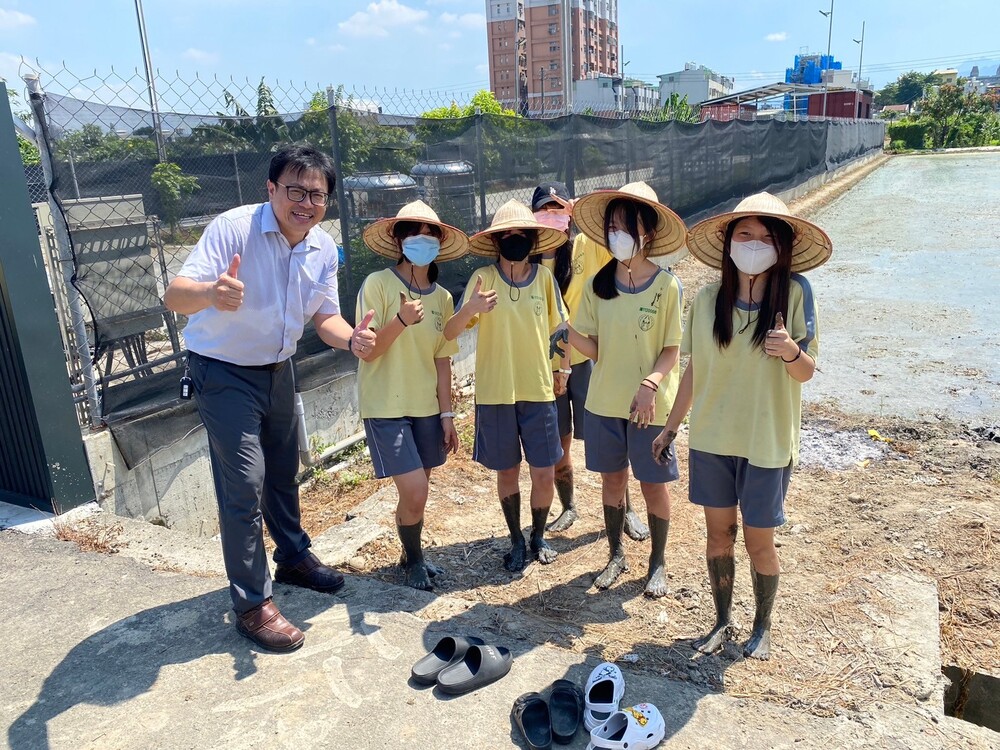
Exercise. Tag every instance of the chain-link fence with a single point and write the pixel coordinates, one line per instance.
(134, 190)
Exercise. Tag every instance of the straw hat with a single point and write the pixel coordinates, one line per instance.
(811, 247)
(378, 236)
(588, 214)
(515, 215)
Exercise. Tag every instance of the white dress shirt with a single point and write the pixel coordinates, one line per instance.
(283, 286)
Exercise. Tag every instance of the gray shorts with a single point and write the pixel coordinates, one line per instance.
(400, 445)
(613, 444)
(502, 430)
(570, 405)
(727, 481)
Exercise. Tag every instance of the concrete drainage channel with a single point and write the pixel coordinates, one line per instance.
(973, 697)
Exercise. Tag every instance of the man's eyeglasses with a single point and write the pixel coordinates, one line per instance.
(297, 195)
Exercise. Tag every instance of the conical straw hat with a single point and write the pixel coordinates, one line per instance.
(378, 236)
(811, 246)
(515, 215)
(588, 215)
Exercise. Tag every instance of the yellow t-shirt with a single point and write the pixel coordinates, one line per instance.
(745, 403)
(588, 259)
(512, 352)
(403, 381)
(632, 330)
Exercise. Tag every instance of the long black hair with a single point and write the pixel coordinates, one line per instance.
(563, 270)
(775, 297)
(403, 229)
(634, 211)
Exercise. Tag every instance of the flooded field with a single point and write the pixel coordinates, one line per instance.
(910, 301)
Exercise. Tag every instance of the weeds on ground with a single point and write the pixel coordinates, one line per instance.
(90, 536)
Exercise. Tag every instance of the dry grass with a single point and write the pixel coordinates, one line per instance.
(90, 536)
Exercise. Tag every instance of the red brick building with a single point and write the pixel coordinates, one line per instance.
(538, 48)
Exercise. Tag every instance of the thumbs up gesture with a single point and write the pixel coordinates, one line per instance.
(362, 341)
(480, 301)
(410, 310)
(778, 343)
(227, 291)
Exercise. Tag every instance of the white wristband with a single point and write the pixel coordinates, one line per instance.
(565, 372)
(449, 414)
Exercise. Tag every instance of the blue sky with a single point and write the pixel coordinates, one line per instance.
(440, 44)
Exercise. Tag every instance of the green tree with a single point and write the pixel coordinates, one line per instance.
(675, 108)
(907, 89)
(91, 143)
(943, 110)
(29, 151)
(172, 186)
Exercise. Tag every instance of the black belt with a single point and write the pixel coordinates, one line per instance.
(272, 367)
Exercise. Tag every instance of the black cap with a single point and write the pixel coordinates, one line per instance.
(544, 192)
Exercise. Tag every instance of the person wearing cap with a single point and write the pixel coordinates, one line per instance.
(404, 389)
(752, 338)
(517, 307)
(629, 322)
(572, 264)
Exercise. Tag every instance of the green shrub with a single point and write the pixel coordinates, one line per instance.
(911, 135)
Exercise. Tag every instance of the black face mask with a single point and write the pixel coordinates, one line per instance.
(515, 247)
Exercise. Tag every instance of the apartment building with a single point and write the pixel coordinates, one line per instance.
(538, 48)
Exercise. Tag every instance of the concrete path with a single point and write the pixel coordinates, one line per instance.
(103, 652)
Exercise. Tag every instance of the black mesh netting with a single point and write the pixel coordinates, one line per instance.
(133, 220)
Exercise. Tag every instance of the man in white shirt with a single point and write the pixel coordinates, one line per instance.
(257, 274)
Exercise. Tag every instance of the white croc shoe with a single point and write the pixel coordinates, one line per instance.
(640, 727)
(603, 694)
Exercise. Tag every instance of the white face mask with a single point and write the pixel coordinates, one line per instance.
(622, 245)
(753, 257)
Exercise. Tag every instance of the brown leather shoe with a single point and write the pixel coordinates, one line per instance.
(265, 626)
(310, 574)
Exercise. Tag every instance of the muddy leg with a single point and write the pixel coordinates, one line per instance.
(721, 571)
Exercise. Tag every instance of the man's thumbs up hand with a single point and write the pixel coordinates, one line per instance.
(227, 291)
(362, 341)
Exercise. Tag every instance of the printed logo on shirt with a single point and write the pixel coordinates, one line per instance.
(578, 263)
(645, 321)
(438, 320)
(539, 304)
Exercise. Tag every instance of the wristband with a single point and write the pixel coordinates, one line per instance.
(350, 343)
(565, 372)
(405, 324)
(797, 355)
(448, 414)
(644, 384)
(650, 384)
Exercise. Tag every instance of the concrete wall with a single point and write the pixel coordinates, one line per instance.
(173, 487)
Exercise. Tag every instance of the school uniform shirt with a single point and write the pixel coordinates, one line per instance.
(403, 381)
(512, 351)
(632, 330)
(745, 402)
(587, 259)
(284, 287)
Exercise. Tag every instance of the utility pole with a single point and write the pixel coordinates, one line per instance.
(829, 41)
(154, 106)
(861, 58)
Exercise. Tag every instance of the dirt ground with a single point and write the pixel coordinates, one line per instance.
(917, 497)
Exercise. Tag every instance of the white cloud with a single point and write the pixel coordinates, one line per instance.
(311, 41)
(777, 36)
(378, 18)
(200, 56)
(465, 20)
(14, 19)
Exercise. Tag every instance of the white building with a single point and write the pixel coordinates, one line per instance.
(696, 82)
(602, 94)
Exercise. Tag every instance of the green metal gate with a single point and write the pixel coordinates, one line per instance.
(42, 459)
